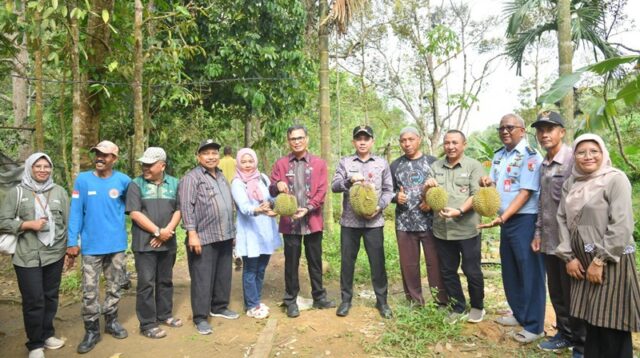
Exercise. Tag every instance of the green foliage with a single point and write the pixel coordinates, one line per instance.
(414, 330)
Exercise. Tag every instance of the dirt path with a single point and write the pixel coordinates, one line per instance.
(315, 333)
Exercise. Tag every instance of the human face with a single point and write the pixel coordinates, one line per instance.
(153, 172)
(454, 145)
(298, 142)
(104, 162)
(550, 136)
(410, 144)
(247, 164)
(511, 132)
(41, 170)
(209, 158)
(363, 144)
(588, 156)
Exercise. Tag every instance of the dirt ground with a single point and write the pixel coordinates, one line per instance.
(316, 333)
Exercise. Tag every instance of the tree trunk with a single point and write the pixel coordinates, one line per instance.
(63, 132)
(324, 110)
(565, 57)
(37, 54)
(434, 136)
(247, 132)
(79, 156)
(20, 88)
(138, 115)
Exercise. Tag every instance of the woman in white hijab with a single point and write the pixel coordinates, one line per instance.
(596, 225)
(41, 227)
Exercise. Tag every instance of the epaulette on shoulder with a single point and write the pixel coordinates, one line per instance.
(499, 149)
(531, 150)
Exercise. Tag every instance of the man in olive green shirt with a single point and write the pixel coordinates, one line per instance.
(455, 227)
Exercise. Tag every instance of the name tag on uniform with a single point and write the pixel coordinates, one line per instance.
(464, 175)
(91, 193)
(507, 185)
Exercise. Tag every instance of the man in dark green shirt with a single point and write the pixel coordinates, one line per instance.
(455, 227)
(153, 206)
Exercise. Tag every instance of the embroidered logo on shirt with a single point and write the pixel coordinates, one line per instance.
(75, 194)
(114, 193)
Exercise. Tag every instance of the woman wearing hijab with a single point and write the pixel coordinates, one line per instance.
(596, 225)
(257, 232)
(41, 245)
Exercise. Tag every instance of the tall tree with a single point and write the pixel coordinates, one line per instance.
(138, 112)
(565, 58)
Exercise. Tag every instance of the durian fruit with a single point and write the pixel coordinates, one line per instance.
(437, 198)
(285, 204)
(486, 201)
(364, 199)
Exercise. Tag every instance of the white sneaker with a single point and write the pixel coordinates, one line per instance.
(53, 343)
(264, 307)
(257, 313)
(37, 353)
(476, 315)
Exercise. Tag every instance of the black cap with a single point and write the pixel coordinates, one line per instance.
(548, 117)
(208, 143)
(362, 130)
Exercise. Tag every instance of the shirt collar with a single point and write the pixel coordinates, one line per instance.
(164, 179)
(446, 164)
(563, 155)
(355, 157)
(305, 157)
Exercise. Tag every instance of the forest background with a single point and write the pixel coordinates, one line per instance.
(171, 73)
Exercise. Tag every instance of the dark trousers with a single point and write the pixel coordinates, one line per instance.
(210, 279)
(572, 329)
(39, 287)
(154, 292)
(409, 252)
(449, 252)
(374, 246)
(607, 343)
(313, 253)
(523, 272)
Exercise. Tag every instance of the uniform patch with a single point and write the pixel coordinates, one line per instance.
(92, 192)
(75, 194)
(531, 164)
(507, 185)
(114, 193)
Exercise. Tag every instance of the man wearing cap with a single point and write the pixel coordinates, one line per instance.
(363, 168)
(515, 172)
(153, 206)
(455, 227)
(413, 224)
(207, 217)
(305, 176)
(97, 226)
(556, 168)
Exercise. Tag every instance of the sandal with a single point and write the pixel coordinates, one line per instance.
(172, 322)
(155, 333)
(525, 336)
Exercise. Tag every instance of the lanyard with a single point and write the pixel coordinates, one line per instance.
(43, 207)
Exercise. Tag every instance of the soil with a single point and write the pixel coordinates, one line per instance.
(316, 333)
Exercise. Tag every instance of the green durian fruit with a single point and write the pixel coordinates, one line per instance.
(486, 201)
(285, 204)
(437, 198)
(364, 199)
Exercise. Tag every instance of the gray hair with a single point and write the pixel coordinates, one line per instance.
(514, 116)
(409, 129)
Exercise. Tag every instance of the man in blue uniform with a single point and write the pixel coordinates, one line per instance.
(515, 172)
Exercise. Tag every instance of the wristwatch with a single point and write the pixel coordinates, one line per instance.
(157, 232)
(461, 212)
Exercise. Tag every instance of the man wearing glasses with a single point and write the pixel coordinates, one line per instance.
(304, 175)
(515, 172)
(153, 206)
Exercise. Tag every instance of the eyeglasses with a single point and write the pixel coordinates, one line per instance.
(296, 139)
(593, 153)
(45, 168)
(508, 128)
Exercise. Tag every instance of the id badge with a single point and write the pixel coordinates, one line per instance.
(507, 185)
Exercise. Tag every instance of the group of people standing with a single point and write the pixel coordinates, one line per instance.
(567, 212)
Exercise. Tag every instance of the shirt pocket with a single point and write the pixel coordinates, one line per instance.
(462, 184)
(58, 214)
(556, 187)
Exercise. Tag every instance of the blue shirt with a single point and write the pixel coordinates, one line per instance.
(256, 234)
(97, 213)
(515, 170)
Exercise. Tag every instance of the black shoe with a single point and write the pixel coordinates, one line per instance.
(113, 327)
(343, 310)
(385, 310)
(323, 303)
(91, 336)
(293, 311)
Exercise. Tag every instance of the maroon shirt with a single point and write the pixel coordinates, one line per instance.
(315, 189)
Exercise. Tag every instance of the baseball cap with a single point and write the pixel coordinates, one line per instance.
(362, 130)
(152, 155)
(548, 117)
(208, 143)
(106, 147)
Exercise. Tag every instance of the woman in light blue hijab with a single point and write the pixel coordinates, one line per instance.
(37, 211)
